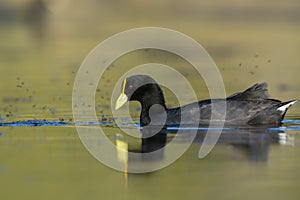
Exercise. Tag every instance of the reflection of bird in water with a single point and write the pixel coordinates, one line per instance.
(122, 150)
(253, 143)
(250, 107)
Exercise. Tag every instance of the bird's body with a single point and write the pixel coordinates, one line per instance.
(251, 107)
(238, 112)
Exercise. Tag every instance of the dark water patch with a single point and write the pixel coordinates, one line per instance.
(175, 128)
(288, 125)
(26, 123)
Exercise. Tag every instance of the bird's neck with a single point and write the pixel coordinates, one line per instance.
(150, 96)
(159, 106)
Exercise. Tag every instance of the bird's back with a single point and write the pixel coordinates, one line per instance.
(251, 107)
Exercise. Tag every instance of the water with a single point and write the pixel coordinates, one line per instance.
(39, 157)
(42, 45)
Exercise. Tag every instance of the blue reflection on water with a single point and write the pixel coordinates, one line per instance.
(288, 125)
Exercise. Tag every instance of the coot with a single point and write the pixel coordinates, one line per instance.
(250, 107)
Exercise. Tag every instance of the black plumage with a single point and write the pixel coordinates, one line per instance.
(250, 107)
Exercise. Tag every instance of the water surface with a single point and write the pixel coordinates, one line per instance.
(37, 159)
(41, 48)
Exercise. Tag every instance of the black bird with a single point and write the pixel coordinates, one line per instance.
(250, 107)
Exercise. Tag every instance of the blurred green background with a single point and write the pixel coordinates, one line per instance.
(43, 42)
(42, 45)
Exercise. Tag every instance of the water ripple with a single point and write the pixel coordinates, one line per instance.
(288, 125)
